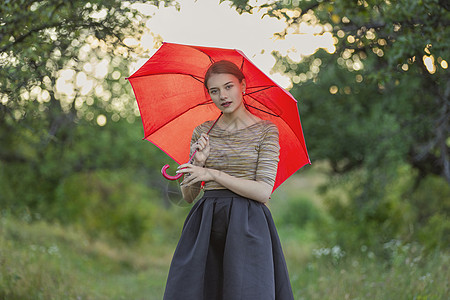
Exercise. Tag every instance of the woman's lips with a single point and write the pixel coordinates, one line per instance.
(226, 104)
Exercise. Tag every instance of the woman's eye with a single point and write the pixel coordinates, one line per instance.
(228, 87)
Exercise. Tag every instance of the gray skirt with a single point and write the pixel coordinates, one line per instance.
(228, 250)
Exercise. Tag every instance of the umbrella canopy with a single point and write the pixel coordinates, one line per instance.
(173, 100)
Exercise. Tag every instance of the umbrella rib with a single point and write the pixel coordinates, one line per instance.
(210, 58)
(251, 96)
(262, 88)
(269, 113)
(196, 78)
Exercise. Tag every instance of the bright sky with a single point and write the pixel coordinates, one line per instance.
(208, 23)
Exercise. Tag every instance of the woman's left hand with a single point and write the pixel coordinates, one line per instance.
(194, 174)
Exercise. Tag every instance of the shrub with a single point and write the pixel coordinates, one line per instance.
(407, 212)
(105, 202)
(298, 212)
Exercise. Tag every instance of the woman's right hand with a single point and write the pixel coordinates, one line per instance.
(203, 148)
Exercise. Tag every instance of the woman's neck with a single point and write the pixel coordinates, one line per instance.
(239, 119)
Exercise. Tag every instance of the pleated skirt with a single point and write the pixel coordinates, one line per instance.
(229, 249)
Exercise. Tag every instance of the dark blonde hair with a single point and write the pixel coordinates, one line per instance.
(223, 67)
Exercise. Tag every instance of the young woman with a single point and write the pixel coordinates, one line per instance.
(229, 247)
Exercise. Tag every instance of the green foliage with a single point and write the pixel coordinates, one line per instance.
(115, 205)
(62, 74)
(404, 214)
(431, 201)
(377, 111)
(31, 183)
(94, 180)
(106, 202)
(39, 40)
(299, 212)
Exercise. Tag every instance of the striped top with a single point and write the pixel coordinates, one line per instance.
(248, 153)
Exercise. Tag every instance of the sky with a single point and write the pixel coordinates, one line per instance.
(208, 23)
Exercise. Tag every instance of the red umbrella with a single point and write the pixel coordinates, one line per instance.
(173, 101)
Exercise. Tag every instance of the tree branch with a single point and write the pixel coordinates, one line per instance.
(30, 32)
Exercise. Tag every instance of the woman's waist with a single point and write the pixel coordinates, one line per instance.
(220, 193)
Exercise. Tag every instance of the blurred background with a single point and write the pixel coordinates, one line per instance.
(86, 214)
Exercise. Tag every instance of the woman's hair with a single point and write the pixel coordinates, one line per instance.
(223, 67)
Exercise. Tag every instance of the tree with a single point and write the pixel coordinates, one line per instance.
(62, 75)
(377, 105)
(391, 44)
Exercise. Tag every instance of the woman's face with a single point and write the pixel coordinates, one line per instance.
(226, 91)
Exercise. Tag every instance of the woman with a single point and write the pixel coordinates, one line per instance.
(229, 248)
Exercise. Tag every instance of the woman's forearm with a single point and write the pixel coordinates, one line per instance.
(191, 192)
(255, 190)
(191, 185)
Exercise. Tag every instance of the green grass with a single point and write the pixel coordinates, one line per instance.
(361, 277)
(41, 260)
(47, 261)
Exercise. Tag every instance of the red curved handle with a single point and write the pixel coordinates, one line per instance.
(178, 176)
(170, 177)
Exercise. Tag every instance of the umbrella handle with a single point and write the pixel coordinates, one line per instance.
(170, 177)
(178, 176)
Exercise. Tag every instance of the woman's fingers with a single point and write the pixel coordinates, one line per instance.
(202, 142)
(193, 174)
(204, 136)
(183, 168)
(202, 149)
(187, 169)
(200, 145)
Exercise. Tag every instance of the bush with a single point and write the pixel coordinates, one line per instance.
(405, 212)
(105, 202)
(432, 208)
(298, 212)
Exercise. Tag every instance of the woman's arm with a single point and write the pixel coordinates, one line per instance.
(255, 190)
(202, 148)
(259, 189)
(190, 192)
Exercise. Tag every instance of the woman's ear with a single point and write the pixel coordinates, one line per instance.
(243, 85)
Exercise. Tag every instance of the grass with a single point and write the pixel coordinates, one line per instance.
(40, 260)
(361, 277)
(47, 261)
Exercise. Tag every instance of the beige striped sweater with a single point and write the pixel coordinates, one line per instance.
(249, 153)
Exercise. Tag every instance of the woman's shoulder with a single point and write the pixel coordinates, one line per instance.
(198, 130)
(204, 125)
(261, 126)
(268, 126)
